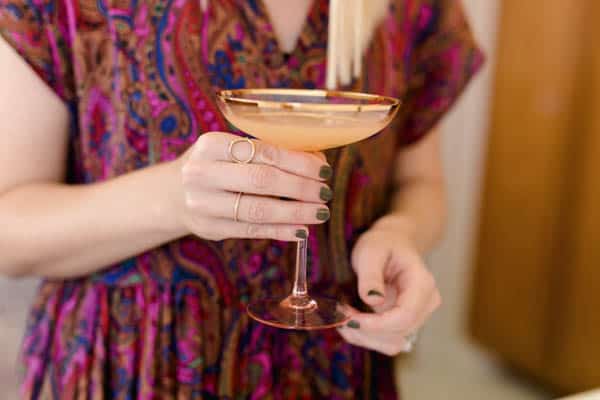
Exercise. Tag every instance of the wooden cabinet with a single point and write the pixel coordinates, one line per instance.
(536, 288)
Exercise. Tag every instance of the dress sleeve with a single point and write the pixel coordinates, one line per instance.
(36, 29)
(445, 57)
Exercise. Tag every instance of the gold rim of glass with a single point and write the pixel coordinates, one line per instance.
(381, 103)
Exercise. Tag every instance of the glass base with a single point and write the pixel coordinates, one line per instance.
(303, 313)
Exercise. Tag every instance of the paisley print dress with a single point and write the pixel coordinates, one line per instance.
(139, 78)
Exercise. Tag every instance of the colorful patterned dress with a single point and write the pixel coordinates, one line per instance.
(139, 77)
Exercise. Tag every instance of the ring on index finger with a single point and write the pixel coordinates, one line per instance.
(237, 160)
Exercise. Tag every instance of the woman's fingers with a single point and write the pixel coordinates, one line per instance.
(383, 342)
(386, 341)
(258, 209)
(387, 344)
(389, 301)
(258, 179)
(385, 330)
(215, 146)
(369, 262)
(416, 287)
(211, 180)
(228, 229)
(396, 319)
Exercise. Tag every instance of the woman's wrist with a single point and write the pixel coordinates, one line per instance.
(398, 224)
(168, 206)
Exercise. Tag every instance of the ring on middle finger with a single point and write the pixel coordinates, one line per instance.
(236, 206)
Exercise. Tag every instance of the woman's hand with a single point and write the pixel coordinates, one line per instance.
(211, 182)
(394, 281)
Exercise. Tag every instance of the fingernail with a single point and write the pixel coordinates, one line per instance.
(323, 214)
(326, 194)
(353, 324)
(374, 292)
(301, 234)
(326, 172)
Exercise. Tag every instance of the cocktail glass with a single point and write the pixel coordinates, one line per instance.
(305, 120)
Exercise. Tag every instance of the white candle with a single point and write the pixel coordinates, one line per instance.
(359, 9)
(331, 78)
(344, 41)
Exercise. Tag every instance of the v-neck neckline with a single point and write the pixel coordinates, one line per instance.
(306, 29)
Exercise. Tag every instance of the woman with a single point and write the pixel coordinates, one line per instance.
(117, 189)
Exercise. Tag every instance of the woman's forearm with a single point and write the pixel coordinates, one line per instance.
(419, 207)
(66, 231)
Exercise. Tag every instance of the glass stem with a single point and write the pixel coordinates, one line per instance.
(300, 289)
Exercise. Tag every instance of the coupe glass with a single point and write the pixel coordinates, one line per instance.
(305, 120)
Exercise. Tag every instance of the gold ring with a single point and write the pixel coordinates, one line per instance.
(236, 206)
(237, 160)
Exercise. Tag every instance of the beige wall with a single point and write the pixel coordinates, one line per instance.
(14, 299)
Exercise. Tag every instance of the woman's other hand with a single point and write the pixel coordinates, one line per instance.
(211, 182)
(393, 280)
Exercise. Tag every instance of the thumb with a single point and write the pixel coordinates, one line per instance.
(369, 262)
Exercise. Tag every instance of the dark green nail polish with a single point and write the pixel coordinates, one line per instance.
(301, 234)
(323, 214)
(374, 292)
(326, 194)
(326, 172)
(353, 324)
